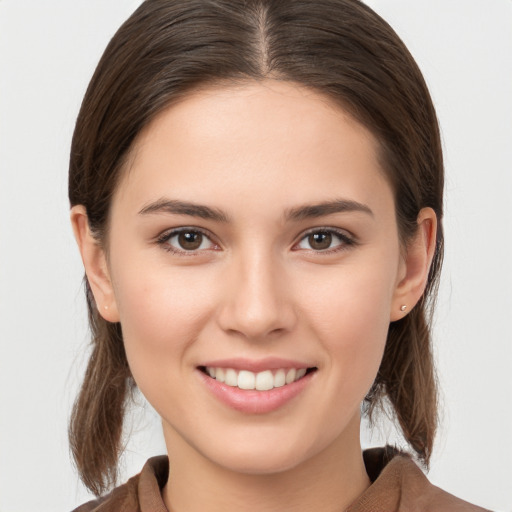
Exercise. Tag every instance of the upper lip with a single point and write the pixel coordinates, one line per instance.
(259, 365)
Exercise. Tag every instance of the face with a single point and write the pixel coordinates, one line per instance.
(255, 261)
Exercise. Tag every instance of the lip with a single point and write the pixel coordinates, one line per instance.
(268, 363)
(253, 401)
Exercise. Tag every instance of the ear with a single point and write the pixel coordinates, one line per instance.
(95, 263)
(415, 265)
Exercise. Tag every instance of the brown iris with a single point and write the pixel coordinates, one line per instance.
(320, 240)
(190, 240)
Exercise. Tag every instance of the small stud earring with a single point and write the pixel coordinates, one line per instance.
(403, 307)
(105, 307)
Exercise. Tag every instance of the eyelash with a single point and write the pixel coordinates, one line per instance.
(346, 240)
(163, 240)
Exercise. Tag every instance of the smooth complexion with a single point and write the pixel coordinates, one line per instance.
(253, 229)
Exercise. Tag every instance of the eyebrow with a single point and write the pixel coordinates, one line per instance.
(174, 206)
(326, 208)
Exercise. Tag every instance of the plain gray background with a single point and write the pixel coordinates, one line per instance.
(48, 51)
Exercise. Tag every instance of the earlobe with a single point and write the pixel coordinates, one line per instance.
(95, 263)
(416, 265)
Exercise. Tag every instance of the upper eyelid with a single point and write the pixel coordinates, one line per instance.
(169, 233)
(325, 228)
(337, 231)
(347, 239)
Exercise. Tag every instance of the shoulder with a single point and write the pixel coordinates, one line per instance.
(399, 485)
(123, 498)
(142, 492)
(417, 493)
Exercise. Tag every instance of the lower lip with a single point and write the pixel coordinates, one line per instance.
(252, 401)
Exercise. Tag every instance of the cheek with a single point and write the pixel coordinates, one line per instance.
(351, 300)
(161, 314)
(349, 314)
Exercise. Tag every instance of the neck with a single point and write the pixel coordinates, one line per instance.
(329, 481)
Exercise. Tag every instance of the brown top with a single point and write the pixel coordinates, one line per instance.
(398, 485)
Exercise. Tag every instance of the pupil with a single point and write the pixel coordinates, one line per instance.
(190, 241)
(320, 241)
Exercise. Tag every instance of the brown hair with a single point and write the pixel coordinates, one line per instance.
(340, 48)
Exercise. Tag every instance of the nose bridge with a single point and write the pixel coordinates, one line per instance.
(256, 300)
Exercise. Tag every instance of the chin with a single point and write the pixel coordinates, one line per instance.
(266, 454)
(261, 462)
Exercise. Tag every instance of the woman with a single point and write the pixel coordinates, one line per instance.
(256, 191)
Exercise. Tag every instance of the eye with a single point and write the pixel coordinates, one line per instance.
(324, 240)
(186, 240)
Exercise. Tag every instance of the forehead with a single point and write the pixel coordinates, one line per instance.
(276, 139)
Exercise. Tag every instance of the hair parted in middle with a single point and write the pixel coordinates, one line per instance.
(338, 48)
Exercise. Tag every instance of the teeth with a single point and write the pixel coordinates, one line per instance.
(290, 376)
(262, 381)
(246, 380)
(300, 373)
(279, 378)
(220, 375)
(231, 378)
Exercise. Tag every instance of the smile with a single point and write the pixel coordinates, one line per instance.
(260, 381)
(256, 386)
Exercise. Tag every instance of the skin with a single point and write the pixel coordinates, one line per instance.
(257, 287)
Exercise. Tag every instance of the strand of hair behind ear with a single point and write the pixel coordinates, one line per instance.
(96, 424)
(410, 388)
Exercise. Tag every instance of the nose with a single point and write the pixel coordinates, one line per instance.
(257, 300)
